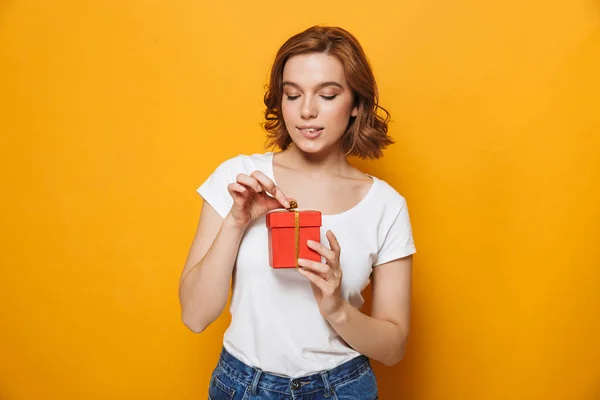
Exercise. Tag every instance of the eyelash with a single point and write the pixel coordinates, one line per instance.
(328, 98)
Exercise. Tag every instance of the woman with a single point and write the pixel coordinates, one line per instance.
(298, 333)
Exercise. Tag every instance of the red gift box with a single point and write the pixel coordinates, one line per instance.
(289, 230)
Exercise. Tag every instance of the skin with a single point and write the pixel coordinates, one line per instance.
(316, 173)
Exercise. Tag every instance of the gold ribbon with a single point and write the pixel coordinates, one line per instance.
(293, 207)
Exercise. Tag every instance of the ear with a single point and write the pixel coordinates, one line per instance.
(354, 112)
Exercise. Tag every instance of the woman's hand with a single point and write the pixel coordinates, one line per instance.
(250, 198)
(325, 279)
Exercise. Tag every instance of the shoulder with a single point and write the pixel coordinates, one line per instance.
(387, 196)
(394, 231)
(243, 163)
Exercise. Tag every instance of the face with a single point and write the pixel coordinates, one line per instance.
(317, 102)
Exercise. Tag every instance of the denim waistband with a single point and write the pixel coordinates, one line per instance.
(319, 381)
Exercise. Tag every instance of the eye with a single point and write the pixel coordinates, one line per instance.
(329, 97)
(292, 97)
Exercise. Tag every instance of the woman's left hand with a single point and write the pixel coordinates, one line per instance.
(325, 279)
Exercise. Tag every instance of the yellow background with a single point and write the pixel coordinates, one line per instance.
(112, 113)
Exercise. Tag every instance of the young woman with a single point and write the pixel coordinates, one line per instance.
(299, 333)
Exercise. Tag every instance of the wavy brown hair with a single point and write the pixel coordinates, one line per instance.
(366, 134)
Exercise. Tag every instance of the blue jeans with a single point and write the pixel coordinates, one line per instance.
(234, 380)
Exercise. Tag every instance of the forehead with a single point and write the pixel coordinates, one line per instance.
(311, 69)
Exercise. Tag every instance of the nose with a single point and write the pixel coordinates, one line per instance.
(309, 109)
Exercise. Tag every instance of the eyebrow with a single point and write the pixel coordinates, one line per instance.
(319, 86)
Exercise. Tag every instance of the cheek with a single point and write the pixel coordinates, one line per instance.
(289, 116)
(286, 110)
(339, 113)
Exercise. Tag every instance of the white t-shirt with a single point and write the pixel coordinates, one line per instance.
(276, 325)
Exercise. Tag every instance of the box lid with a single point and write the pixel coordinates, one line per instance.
(286, 219)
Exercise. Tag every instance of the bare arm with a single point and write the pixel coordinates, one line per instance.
(206, 277)
(381, 336)
(205, 281)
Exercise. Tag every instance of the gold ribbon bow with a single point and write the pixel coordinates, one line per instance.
(293, 207)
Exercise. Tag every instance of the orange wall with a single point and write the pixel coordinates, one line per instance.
(112, 113)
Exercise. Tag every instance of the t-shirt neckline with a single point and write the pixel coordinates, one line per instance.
(345, 213)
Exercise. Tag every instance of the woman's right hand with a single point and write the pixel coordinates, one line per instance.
(250, 198)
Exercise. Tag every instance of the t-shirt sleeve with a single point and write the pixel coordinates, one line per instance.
(397, 236)
(214, 189)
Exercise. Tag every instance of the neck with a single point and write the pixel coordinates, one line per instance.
(330, 161)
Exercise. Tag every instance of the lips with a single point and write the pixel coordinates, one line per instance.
(310, 132)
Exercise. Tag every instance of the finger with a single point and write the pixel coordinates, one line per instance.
(238, 192)
(315, 279)
(271, 188)
(314, 266)
(333, 242)
(249, 182)
(322, 250)
(236, 188)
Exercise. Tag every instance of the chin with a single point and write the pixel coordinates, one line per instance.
(310, 147)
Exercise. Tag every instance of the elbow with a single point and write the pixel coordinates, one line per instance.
(394, 358)
(193, 324)
(195, 328)
(196, 318)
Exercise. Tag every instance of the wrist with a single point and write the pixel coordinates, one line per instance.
(229, 222)
(340, 315)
